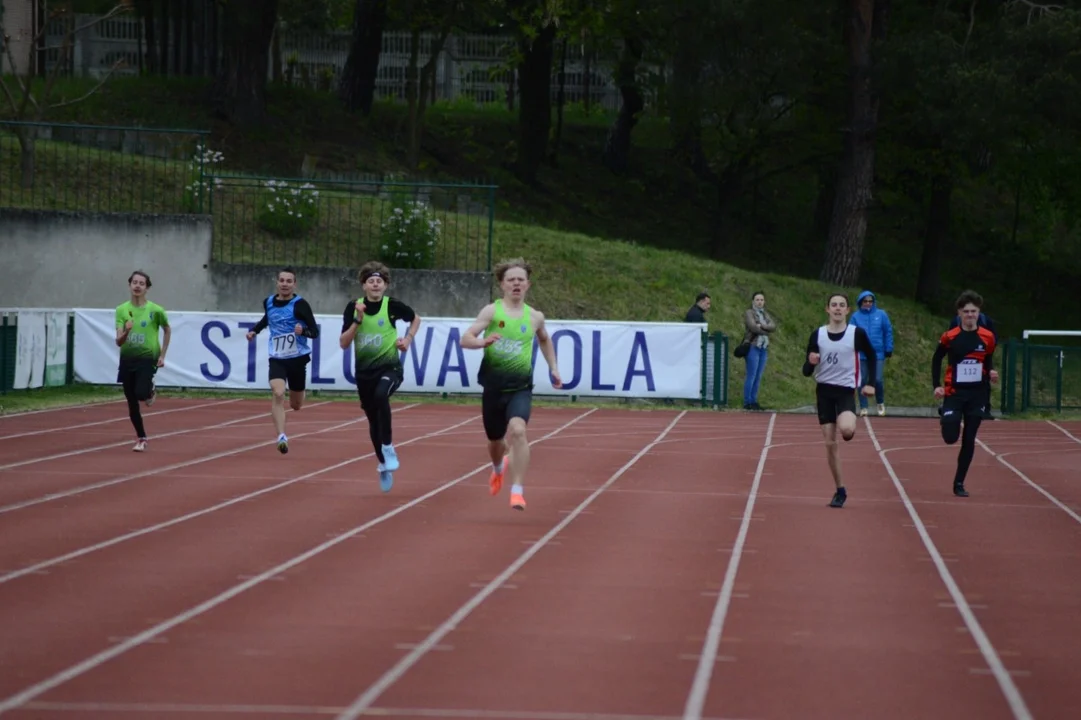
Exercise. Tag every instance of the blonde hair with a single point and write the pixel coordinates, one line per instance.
(502, 268)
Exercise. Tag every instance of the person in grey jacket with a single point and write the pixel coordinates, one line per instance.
(757, 325)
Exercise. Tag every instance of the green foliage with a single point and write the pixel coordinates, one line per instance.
(288, 209)
(410, 234)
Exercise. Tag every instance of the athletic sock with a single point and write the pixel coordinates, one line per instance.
(516, 490)
(498, 467)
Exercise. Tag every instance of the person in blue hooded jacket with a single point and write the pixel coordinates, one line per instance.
(876, 323)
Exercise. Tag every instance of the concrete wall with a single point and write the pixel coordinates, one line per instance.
(62, 259)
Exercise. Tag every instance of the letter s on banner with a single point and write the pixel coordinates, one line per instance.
(613, 359)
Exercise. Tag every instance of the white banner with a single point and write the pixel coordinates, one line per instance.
(30, 350)
(209, 350)
(56, 348)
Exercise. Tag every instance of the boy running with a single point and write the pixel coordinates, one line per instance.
(969, 348)
(137, 324)
(506, 374)
(291, 324)
(369, 324)
(833, 356)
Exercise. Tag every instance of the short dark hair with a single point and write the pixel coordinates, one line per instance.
(969, 296)
(289, 269)
(756, 293)
(144, 276)
(701, 296)
(837, 294)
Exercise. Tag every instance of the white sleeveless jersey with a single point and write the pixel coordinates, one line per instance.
(838, 362)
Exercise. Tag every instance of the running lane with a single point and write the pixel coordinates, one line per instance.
(324, 629)
(225, 433)
(838, 613)
(97, 516)
(271, 639)
(52, 619)
(16, 447)
(1014, 554)
(608, 618)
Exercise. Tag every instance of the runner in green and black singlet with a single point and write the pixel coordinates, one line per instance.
(506, 374)
(507, 365)
(138, 322)
(369, 324)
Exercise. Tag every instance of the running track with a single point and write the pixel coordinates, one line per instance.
(670, 565)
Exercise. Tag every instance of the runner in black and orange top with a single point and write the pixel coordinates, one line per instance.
(970, 351)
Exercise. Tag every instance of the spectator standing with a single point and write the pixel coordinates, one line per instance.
(697, 313)
(757, 325)
(876, 323)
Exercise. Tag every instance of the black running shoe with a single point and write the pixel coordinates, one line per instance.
(839, 498)
(959, 490)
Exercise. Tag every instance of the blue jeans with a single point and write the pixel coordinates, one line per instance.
(756, 364)
(880, 388)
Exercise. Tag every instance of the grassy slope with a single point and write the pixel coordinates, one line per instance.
(609, 272)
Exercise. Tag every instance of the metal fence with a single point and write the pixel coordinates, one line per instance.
(1040, 376)
(714, 370)
(99, 168)
(317, 222)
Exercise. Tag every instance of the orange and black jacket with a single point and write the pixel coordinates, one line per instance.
(967, 349)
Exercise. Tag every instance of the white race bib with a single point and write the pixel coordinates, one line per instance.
(284, 346)
(970, 372)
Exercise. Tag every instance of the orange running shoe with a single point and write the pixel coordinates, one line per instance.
(495, 480)
(517, 501)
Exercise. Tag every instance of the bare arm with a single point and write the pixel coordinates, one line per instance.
(547, 348)
(407, 340)
(166, 337)
(471, 339)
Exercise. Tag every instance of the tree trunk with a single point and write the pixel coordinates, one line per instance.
(855, 175)
(685, 98)
(561, 96)
(241, 84)
(357, 87)
(934, 239)
(617, 149)
(535, 110)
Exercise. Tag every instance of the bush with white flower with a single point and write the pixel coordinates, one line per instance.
(196, 196)
(288, 209)
(409, 235)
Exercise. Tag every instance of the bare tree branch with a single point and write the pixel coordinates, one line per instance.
(1034, 8)
(91, 91)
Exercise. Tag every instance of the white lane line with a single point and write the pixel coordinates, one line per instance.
(125, 443)
(1054, 500)
(369, 696)
(123, 418)
(1064, 431)
(61, 408)
(707, 660)
(25, 696)
(166, 468)
(990, 655)
(30, 569)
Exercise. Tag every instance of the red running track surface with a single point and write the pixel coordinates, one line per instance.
(669, 565)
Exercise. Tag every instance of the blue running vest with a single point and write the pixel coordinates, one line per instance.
(284, 343)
